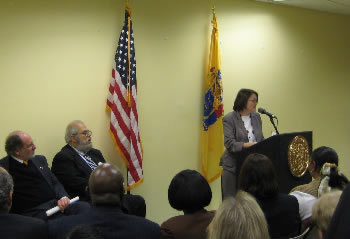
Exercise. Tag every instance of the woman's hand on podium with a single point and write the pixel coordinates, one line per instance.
(248, 144)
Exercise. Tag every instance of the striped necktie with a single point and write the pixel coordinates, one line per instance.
(89, 161)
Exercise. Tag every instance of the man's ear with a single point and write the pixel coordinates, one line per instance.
(17, 153)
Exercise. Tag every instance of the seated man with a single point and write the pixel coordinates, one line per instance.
(106, 192)
(30, 228)
(76, 160)
(36, 188)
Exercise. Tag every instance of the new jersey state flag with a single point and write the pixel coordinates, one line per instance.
(212, 138)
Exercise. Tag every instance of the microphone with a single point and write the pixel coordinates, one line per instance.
(263, 111)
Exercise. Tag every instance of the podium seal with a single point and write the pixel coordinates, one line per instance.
(298, 156)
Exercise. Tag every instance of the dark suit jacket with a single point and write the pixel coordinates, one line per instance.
(282, 215)
(72, 170)
(110, 220)
(14, 226)
(235, 135)
(192, 226)
(40, 163)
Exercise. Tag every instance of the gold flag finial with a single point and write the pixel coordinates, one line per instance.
(127, 3)
(213, 10)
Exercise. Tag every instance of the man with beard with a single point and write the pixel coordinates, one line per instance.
(76, 160)
(36, 188)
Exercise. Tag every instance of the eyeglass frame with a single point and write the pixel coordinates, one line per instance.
(86, 133)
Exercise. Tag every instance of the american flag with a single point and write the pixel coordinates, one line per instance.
(122, 102)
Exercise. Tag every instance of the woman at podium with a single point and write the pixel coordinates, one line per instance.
(242, 129)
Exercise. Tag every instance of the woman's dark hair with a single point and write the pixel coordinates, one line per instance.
(337, 179)
(258, 177)
(242, 99)
(323, 155)
(189, 191)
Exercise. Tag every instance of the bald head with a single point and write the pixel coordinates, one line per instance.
(106, 185)
(20, 145)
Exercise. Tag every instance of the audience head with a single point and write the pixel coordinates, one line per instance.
(135, 205)
(323, 210)
(258, 177)
(78, 136)
(85, 231)
(106, 185)
(320, 156)
(240, 218)
(6, 190)
(242, 99)
(189, 191)
(20, 145)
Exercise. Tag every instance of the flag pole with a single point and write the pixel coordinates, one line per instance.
(127, 181)
(128, 97)
(213, 10)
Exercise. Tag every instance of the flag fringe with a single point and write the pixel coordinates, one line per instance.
(129, 187)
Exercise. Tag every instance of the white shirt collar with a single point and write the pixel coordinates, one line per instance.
(17, 159)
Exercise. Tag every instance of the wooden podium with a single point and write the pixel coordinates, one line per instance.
(289, 153)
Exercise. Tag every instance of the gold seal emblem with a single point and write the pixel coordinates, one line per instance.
(298, 156)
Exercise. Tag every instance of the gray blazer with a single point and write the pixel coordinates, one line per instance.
(235, 135)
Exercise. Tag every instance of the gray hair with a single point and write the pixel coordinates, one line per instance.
(6, 186)
(72, 130)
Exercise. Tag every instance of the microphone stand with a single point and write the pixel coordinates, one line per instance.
(273, 123)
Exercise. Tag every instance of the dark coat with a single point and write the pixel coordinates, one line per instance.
(110, 220)
(282, 215)
(13, 226)
(72, 171)
(40, 163)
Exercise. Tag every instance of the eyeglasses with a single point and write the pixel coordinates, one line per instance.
(86, 133)
(254, 101)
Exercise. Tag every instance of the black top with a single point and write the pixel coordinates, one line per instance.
(14, 226)
(282, 215)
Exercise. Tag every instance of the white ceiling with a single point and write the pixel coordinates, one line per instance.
(333, 6)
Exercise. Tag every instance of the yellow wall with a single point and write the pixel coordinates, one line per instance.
(56, 59)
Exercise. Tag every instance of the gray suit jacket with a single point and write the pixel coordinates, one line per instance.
(235, 135)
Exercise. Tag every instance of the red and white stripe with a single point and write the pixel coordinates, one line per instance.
(124, 127)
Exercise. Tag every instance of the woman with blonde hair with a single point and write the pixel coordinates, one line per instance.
(239, 218)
